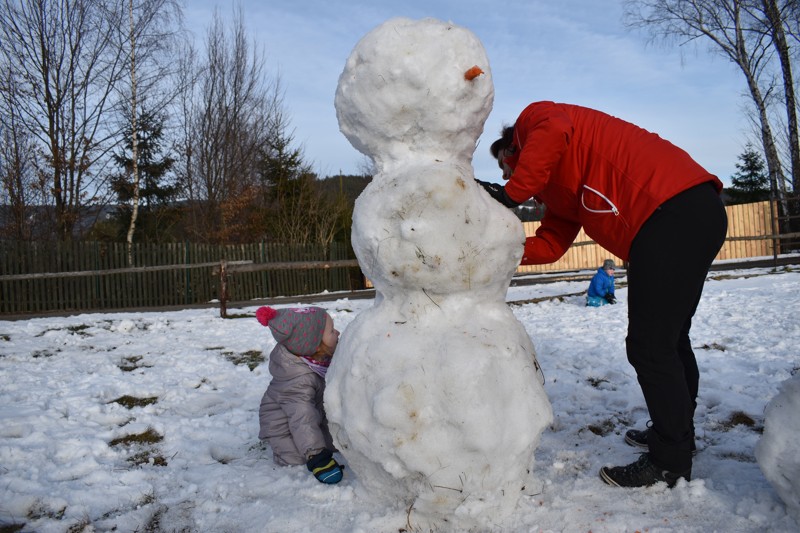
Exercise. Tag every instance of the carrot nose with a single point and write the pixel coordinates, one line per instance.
(472, 73)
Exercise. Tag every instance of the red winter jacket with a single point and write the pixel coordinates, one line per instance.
(592, 170)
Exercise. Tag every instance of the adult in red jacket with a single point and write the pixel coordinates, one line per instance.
(648, 202)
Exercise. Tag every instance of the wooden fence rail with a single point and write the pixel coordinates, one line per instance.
(226, 268)
(53, 275)
(750, 234)
(40, 277)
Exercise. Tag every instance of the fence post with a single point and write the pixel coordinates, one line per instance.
(223, 289)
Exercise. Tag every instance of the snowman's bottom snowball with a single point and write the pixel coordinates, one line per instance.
(777, 452)
(443, 412)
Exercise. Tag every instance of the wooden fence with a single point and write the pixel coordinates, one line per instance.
(749, 228)
(38, 277)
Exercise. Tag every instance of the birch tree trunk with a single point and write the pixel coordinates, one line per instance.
(720, 21)
(134, 140)
(775, 24)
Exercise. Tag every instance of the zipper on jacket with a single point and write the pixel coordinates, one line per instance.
(601, 195)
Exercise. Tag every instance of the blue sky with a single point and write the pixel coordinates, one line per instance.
(574, 51)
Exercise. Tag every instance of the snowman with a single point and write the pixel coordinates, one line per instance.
(434, 397)
(777, 452)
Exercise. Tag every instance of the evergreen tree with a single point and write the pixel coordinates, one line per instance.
(156, 190)
(750, 182)
(281, 168)
(295, 208)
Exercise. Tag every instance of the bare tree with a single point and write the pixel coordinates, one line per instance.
(152, 37)
(792, 12)
(776, 17)
(234, 105)
(731, 29)
(63, 57)
(367, 166)
(302, 214)
(17, 170)
(186, 111)
(298, 210)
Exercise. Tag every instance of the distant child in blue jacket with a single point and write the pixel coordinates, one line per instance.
(601, 289)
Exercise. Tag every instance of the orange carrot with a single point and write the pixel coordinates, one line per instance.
(472, 73)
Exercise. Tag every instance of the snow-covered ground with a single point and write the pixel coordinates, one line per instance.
(148, 421)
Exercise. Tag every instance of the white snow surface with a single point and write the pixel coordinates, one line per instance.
(406, 395)
(60, 377)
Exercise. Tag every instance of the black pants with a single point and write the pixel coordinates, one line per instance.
(668, 265)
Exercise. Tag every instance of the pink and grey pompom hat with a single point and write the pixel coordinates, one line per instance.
(300, 329)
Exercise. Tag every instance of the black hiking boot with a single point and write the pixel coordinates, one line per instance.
(638, 439)
(642, 473)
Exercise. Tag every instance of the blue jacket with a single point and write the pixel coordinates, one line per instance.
(601, 284)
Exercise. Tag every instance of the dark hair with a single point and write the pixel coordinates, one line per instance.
(505, 141)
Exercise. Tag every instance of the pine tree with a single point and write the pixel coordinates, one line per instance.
(750, 182)
(155, 189)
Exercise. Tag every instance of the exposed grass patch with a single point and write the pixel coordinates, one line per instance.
(739, 418)
(603, 428)
(148, 457)
(80, 330)
(39, 509)
(251, 358)
(596, 382)
(713, 346)
(80, 527)
(148, 436)
(131, 401)
(11, 528)
(43, 353)
(144, 444)
(4, 337)
(154, 524)
(146, 499)
(129, 364)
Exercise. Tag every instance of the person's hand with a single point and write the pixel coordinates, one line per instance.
(610, 298)
(498, 192)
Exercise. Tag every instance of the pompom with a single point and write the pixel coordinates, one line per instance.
(265, 314)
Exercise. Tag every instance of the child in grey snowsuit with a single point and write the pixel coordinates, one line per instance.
(292, 416)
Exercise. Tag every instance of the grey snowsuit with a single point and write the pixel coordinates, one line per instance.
(291, 415)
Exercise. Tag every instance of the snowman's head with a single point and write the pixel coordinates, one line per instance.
(409, 91)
